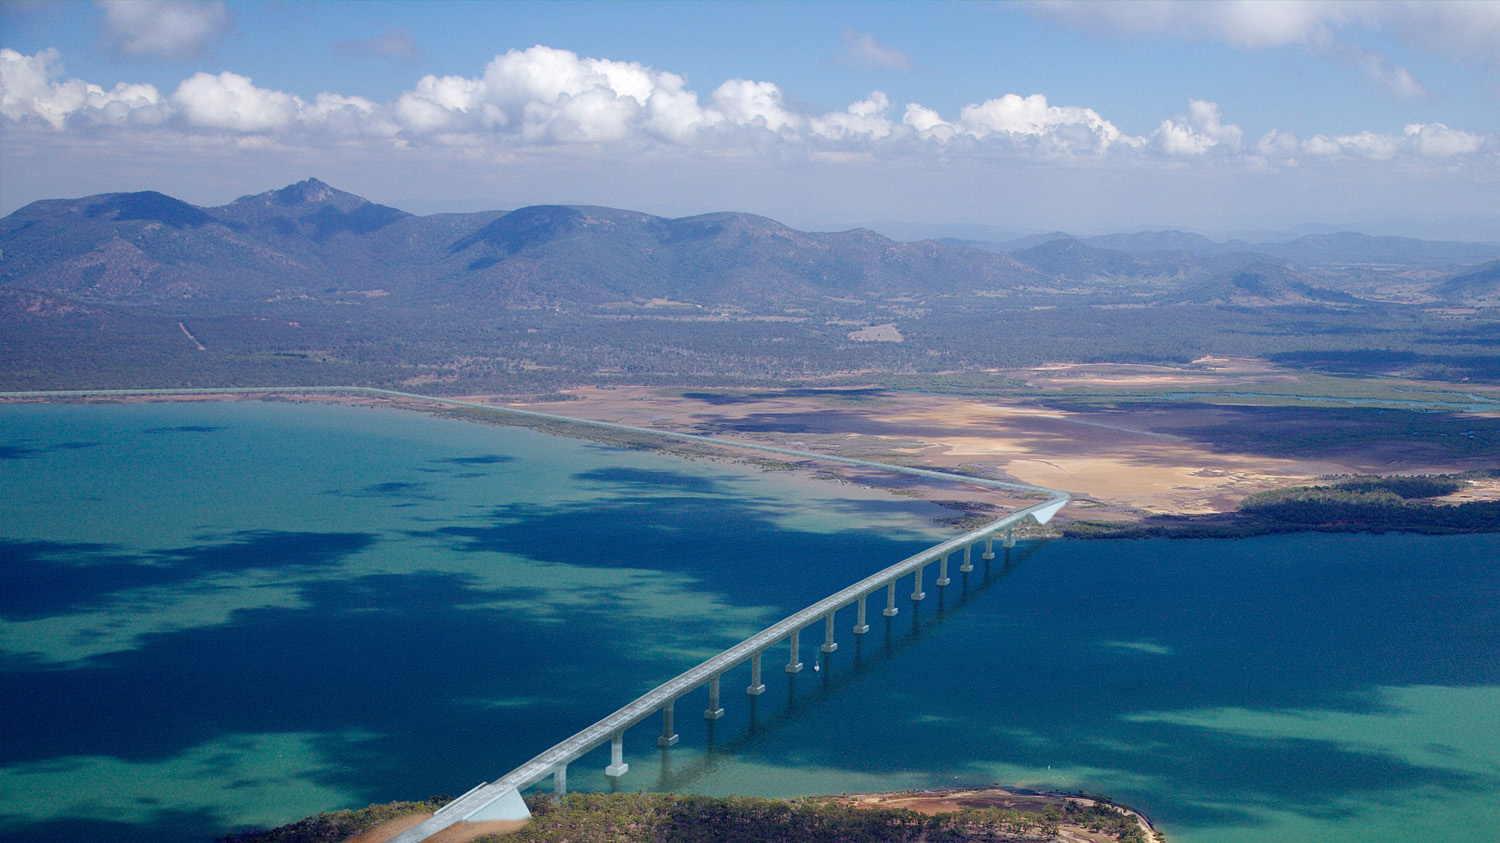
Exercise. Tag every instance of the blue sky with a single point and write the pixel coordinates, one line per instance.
(1016, 116)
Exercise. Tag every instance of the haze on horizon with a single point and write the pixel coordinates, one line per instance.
(1220, 118)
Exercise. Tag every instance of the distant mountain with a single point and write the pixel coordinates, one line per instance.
(1259, 285)
(1069, 258)
(1350, 248)
(1480, 284)
(1312, 250)
(309, 241)
(309, 209)
(1148, 242)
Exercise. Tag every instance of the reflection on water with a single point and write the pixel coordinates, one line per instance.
(285, 608)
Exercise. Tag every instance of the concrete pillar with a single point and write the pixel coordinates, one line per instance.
(1010, 539)
(560, 779)
(942, 579)
(617, 766)
(828, 643)
(714, 711)
(890, 600)
(793, 665)
(967, 566)
(989, 548)
(860, 627)
(917, 593)
(755, 685)
(668, 736)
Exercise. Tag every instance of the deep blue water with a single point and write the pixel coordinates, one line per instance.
(218, 615)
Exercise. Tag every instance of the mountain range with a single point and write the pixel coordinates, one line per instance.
(311, 240)
(308, 284)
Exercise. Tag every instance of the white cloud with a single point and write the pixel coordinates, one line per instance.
(750, 103)
(1435, 140)
(173, 28)
(1031, 121)
(865, 118)
(861, 50)
(1198, 132)
(1450, 29)
(1398, 80)
(231, 102)
(28, 93)
(929, 124)
(544, 97)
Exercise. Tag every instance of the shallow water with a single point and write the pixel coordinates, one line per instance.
(230, 614)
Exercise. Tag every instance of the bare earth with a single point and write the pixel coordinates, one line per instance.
(1119, 465)
(457, 833)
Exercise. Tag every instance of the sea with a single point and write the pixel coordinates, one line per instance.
(224, 615)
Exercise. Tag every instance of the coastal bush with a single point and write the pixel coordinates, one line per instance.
(336, 826)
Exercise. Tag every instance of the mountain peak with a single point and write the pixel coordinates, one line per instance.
(307, 192)
(309, 207)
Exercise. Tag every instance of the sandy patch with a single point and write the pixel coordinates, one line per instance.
(878, 333)
(461, 832)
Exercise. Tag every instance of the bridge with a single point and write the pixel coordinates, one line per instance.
(501, 799)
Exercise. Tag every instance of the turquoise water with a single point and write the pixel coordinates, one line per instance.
(229, 614)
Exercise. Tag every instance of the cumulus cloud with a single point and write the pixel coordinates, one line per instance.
(866, 118)
(395, 44)
(1435, 140)
(861, 50)
(171, 28)
(1031, 121)
(1200, 131)
(545, 97)
(29, 93)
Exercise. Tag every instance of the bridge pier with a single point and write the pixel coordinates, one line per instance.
(890, 600)
(1010, 538)
(968, 566)
(560, 780)
(668, 736)
(792, 665)
(828, 643)
(755, 684)
(617, 766)
(714, 711)
(989, 548)
(917, 593)
(942, 579)
(860, 627)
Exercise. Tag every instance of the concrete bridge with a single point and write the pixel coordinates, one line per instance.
(501, 799)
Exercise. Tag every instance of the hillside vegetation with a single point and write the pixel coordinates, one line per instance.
(311, 285)
(678, 818)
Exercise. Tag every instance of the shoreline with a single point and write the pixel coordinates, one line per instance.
(892, 438)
